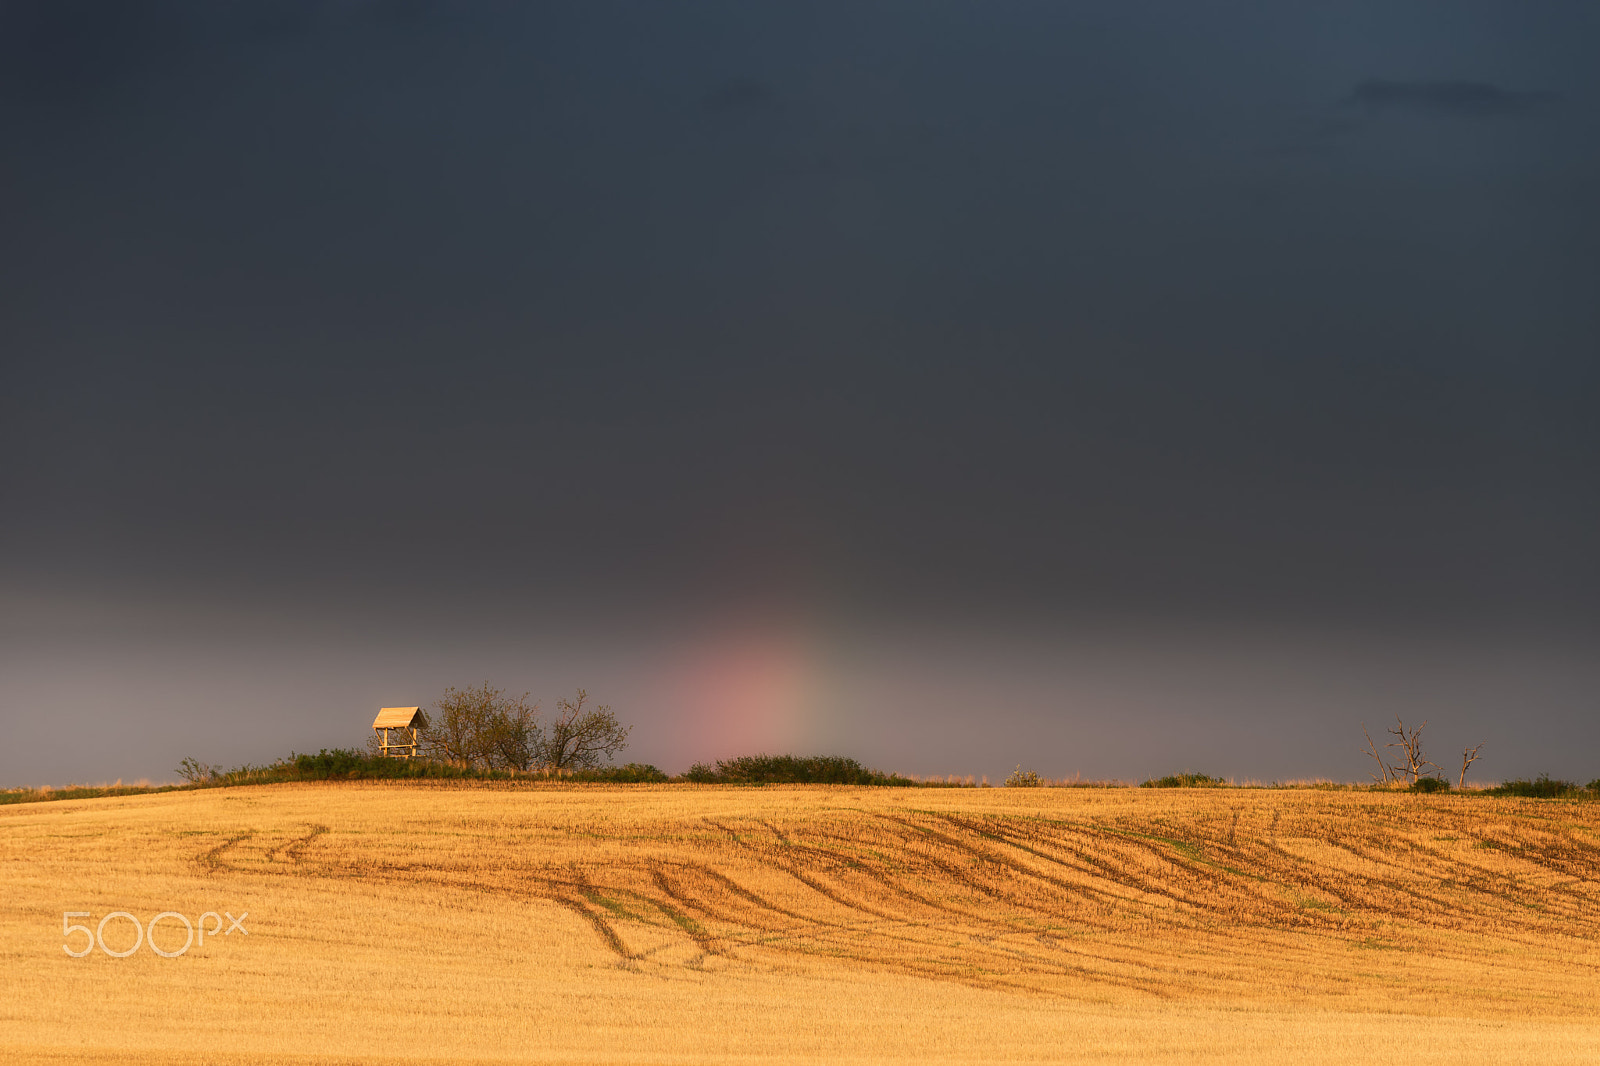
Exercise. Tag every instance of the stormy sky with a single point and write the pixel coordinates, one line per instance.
(1113, 388)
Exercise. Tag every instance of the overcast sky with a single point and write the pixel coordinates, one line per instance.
(1113, 388)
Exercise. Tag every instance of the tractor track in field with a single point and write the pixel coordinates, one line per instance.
(1006, 901)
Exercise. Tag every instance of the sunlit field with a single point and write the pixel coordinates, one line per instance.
(634, 924)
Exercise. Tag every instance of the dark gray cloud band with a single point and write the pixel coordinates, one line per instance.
(1456, 99)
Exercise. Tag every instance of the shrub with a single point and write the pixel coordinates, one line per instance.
(794, 769)
(1020, 778)
(632, 773)
(328, 763)
(1541, 787)
(1184, 780)
(791, 770)
(348, 762)
(194, 771)
(1430, 784)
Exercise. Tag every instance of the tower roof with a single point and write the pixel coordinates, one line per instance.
(399, 718)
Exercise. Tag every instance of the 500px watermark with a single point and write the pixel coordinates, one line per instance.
(97, 935)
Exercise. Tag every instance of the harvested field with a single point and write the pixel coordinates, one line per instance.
(688, 924)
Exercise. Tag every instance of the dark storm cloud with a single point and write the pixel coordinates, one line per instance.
(976, 313)
(1001, 309)
(1458, 99)
(741, 95)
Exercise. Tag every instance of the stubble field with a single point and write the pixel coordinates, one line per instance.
(635, 924)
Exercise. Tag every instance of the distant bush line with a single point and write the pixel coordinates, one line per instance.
(349, 764)
(1542, 787)
(1545, 787)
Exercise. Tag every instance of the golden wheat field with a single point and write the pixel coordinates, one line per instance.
(683, 924)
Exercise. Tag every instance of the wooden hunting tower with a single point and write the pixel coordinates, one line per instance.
(406, 721)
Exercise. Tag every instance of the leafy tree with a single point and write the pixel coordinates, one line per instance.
(515, 735)
(581, 737)
(486, 729)
(483, 727)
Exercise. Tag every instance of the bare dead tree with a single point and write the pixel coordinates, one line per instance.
(1410, 745)
(1385, 772)
(1468, 757)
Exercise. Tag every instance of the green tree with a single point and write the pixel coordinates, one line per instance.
(581, 737)
(515, 734)
(482, 727)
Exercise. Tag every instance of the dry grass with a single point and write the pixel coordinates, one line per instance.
(680, 924)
